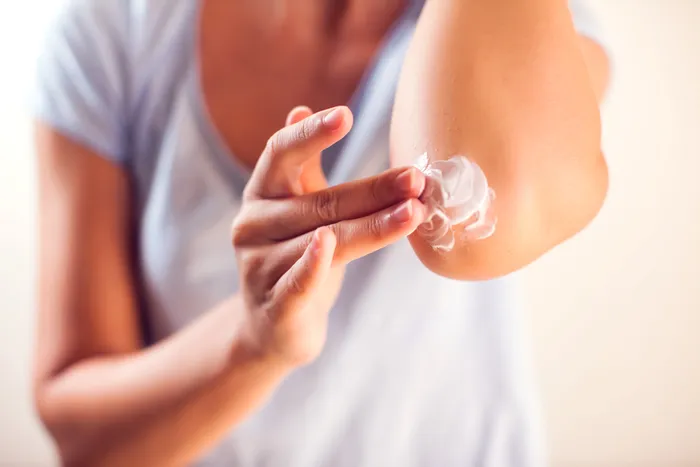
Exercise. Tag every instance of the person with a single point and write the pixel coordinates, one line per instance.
(229, 269)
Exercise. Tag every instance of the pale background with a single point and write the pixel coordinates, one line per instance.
(615, 312)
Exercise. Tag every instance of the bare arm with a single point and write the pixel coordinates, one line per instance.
(513, 86)
(108, 401)
(104, 399)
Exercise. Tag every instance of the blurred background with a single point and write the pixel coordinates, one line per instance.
(614, 314)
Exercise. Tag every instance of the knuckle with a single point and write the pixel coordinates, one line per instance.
(375, 227)
(240, 227)
(275, 144)
(253, 268)
(248, 191)
(238, 232)
(305, 208)
(252, 263)
(327, 206)
(304, 130)
(377, 189)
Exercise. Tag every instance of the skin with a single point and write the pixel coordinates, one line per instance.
(525, 109)
(107, 400)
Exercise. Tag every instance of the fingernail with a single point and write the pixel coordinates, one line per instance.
(410, 182)
(403, 213)
(334, 118)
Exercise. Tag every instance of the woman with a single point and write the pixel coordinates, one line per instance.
(159, 123)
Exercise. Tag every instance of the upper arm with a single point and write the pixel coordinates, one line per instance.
(85, 298)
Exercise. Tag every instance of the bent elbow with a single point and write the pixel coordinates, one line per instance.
(534, 215)
(74, 444)
(573, 202)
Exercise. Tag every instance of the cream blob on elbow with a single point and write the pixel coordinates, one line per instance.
(459, 200)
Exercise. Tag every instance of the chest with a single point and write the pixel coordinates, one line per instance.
(189, 186)
(258, 60)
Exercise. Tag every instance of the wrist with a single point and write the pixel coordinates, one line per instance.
(252, 343)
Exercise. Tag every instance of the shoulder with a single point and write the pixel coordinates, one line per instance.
(98, 58)
(130, 28)
(88, 24)
(80, 77)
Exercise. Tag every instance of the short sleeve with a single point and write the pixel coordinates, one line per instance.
(585, 21)
(80, 86)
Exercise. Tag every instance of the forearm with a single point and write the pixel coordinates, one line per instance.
(504, 82)
(164, 405)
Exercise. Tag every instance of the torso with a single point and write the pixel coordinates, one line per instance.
(418, 370)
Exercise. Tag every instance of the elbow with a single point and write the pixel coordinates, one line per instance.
(75, 444)
(57, 427)
(540, 151)
(536, 211)
(45, 410)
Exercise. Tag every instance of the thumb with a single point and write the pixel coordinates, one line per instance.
(297, 286)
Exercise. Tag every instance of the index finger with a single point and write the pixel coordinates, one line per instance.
(278, 220)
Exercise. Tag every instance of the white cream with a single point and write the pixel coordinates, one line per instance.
(459, 201)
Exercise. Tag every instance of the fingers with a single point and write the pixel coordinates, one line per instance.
(296, 287)
(359, 237)
(287, 218)
(356, 238)
(279, 169)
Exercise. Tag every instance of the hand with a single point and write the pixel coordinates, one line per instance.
(294, 235)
